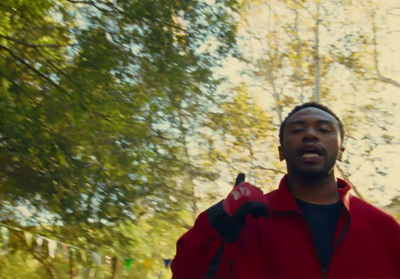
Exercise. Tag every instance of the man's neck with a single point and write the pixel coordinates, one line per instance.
(321, 190)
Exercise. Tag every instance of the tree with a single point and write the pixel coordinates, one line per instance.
(96, 101)
(290, 45)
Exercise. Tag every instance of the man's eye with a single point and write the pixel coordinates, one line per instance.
(299, 130)
(324, 130)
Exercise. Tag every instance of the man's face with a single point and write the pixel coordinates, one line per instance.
(311, 143)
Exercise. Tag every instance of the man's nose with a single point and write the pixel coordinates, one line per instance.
(310, 134)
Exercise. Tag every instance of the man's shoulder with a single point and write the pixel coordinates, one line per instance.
(364, 209)
(273, 194)
(359, 204)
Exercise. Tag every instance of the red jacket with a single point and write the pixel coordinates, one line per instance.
(367, 243)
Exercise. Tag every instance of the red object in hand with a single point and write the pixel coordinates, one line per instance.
(245, 199)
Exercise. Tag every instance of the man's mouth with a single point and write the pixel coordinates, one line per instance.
(310, 154)
(311, 151)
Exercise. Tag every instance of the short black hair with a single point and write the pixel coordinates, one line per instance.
(311, 105)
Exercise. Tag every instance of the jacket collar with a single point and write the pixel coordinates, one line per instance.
(282, 200)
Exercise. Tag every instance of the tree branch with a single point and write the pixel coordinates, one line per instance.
(56, 68)
(347, 178)
(269, 169)
(379, 77)
(45, 264)
(388, 80)
(26, 64)
(117, 10)
(28, 44)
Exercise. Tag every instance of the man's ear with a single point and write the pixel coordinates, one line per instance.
(342, 149)
(281, 157)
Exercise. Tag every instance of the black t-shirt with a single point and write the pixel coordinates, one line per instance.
(322, 221)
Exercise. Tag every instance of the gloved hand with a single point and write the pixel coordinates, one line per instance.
(245, 199)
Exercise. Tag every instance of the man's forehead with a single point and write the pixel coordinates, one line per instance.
(312, 114)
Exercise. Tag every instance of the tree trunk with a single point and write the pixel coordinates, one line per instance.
(114, 268)
(317, 58)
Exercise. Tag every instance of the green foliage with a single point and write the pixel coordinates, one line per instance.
(114, 132)
(96, 101)
(241, 138)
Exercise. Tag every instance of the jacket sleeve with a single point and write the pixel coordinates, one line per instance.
(203, 251)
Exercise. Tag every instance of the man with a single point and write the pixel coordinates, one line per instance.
(311, 227)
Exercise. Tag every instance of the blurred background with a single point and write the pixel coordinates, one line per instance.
(122, 120)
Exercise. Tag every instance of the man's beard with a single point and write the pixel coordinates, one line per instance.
(313, 175)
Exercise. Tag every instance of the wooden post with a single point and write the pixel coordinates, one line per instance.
(114, 265)
(71, 264)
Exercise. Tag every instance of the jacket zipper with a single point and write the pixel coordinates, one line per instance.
(324, 272)
(341, 236)
(343, 233)
(231, 268)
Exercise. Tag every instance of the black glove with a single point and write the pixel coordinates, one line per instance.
(243, 200)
